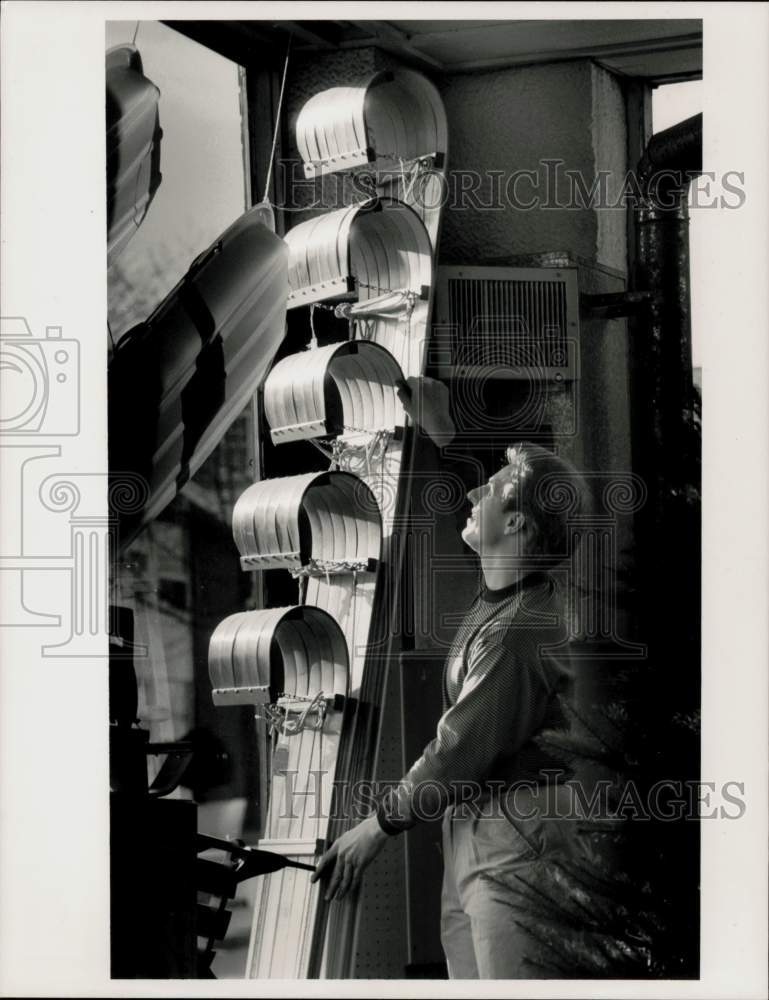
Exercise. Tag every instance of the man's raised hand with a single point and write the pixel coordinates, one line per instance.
(426, 401)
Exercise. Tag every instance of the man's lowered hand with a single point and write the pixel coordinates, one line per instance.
(348, 857)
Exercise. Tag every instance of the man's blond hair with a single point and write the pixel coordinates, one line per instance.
(549, 491)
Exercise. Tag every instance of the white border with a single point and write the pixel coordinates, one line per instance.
(53, 828)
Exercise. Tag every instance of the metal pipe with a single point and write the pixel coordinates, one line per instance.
(667, 529)
(677, 149)
(663, 355)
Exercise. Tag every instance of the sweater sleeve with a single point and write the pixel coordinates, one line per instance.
(501, 705)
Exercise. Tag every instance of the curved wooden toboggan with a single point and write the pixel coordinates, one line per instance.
(312, 670)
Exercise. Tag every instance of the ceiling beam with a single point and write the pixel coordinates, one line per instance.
(323, 34)
(665, 78)
(602, 52)
(392, 39)
(687, 27)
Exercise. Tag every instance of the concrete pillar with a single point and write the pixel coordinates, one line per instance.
(536, 154)
(529, 133)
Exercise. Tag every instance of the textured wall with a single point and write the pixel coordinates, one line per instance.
(505, 122)
(609, 134)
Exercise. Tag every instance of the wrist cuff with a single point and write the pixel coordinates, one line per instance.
(387, 827)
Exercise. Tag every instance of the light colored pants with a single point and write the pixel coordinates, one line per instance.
(481, 856)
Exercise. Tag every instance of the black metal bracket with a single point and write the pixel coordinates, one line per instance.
(612, 305)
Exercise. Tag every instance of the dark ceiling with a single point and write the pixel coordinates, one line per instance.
(658, 51)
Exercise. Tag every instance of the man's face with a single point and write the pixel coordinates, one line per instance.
(485, 528)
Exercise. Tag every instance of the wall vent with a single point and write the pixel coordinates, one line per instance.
(506, 322)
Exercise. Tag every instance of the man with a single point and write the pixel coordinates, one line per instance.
(502, 690)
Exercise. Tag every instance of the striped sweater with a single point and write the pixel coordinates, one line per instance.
(502, 688)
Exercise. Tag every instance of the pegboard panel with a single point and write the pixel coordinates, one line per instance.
(421, 680)
(382, 942)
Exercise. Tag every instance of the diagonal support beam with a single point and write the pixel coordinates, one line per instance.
(324, 34)
(392, 39)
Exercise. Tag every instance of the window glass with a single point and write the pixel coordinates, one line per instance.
(671, 104)
(203, 188)
(181, 576)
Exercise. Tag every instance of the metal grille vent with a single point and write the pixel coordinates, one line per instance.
(518, 323)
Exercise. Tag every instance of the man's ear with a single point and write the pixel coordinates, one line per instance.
(515, 522)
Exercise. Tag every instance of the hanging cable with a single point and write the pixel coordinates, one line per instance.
(326, 454)
(392, 304)
(317, 704)
(386, 301)
(136, 32)
(327, 567)
(409, 177)
(278, 715)
(313, 336)
(301, 208)
(277, 122)
(352, 457)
